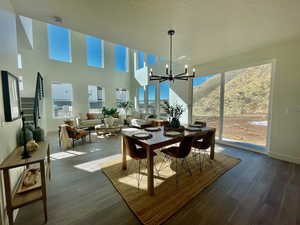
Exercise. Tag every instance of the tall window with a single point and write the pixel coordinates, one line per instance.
(164, 95)
(96, 98)
(141, 99)
(121, 58)
(94, 51)
(206, 100)
(151, 59)
(246, 104)
(152, 99)
(20, 66)
(140, 59)
(62, 98)
(59, 43)
(236, 103)
(122, 95)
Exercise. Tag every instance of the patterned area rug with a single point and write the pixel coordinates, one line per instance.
(168, 197)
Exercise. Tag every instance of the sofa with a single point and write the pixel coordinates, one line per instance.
(139, 120)
(96, 119)
(89, 120)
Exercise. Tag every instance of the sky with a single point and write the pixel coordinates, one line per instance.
(59, 43)
(200, 80)
(94, 51)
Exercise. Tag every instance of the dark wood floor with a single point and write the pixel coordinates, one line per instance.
(260, 190)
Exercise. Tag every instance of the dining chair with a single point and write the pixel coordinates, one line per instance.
(200, 123)
(180, 153)
(200, 146)
(138, 154)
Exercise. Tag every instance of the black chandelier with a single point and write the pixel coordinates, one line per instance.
(169, 72)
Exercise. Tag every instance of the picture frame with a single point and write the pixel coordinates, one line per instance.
(11, 96)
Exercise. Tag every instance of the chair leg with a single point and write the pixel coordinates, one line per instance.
(199, 159)
(73, 141)
(176, 172)
(139, 176)
(165, 159)
(187, 166)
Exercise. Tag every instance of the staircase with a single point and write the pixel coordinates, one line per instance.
(32, 107)
(27, 105)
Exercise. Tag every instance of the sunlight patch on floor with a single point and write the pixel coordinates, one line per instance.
(66, 154)
(93, 166)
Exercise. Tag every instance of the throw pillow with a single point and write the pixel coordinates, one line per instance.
(91, 116)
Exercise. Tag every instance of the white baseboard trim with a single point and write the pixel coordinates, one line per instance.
(284, 157)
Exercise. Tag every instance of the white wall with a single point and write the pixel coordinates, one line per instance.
(77, 73)
(8, 61)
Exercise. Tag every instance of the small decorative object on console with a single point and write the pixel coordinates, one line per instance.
(32, 146)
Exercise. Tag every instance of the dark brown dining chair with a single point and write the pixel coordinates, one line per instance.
(200, 123)
(136, 153)
(200, 145)
(180, 153)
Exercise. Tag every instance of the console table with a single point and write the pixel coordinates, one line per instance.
(14, 160)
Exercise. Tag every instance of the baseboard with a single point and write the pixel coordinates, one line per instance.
(284, 157)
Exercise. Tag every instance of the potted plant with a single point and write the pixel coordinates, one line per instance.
(109, 115)
(174, 112)
(109, 112)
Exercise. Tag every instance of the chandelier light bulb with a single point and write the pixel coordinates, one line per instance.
(167, 66)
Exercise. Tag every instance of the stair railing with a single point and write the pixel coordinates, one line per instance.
(39, 95)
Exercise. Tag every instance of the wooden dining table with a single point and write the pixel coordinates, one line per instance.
(157, 141)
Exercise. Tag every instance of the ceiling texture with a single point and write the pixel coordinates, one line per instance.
(205, 29)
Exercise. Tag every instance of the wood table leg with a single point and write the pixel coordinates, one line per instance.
(150, 182)
(43, 178)
(124, 153)
(212, 147)
(49, 161)
(8, 196)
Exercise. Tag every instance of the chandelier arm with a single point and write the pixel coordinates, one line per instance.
(162, 80)
(181, 74)
(155, 76)
(188, 76)
(181, 78)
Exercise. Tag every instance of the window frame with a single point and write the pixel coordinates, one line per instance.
(116, 93)
(52, 101)
(126, 63)
(103, 98)
(87, 39)
(69, 40)
(272, 63)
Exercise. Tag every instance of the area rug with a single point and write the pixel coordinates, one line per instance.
(168, 197)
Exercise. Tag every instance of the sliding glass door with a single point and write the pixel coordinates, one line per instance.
(236, 103)
(246, 104)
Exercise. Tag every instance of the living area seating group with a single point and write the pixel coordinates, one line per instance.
(81, 126)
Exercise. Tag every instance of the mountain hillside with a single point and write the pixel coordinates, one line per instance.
(246, 92)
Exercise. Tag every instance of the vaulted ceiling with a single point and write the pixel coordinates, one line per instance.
(205, 29)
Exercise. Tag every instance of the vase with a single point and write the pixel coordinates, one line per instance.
(175, 123)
